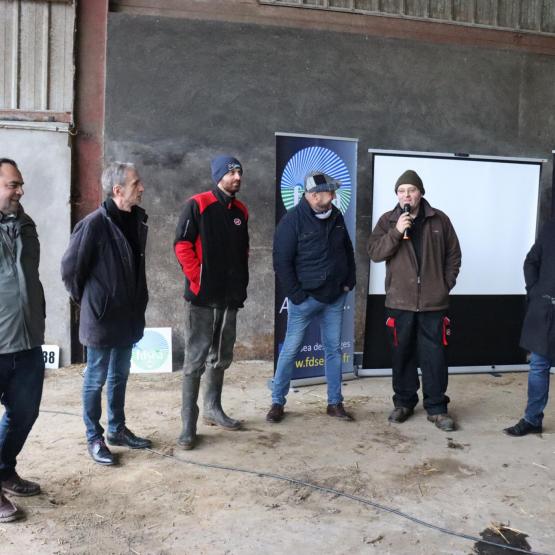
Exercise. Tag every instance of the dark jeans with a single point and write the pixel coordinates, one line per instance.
(21, 379)
(417, 341)
(103, 364)
(209, 338)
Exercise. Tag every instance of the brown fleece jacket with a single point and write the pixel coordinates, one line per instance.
(407, 287)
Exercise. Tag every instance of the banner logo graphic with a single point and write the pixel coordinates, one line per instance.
(315, 158)
(151, 352)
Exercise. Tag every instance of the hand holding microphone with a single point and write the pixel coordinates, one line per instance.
(404, 222)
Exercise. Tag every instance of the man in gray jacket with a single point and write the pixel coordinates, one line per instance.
(21, 335)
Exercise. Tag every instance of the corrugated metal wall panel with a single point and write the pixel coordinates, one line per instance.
(349, 4)
(528, 15)
(416, 8)
(441, 9)
(36, 53)
(32, 56)
(486, 12)
(548, 17)
(391, 6)
(463, 10)
(508, 14)
(367, 5)
(9, 13)
(61, 63)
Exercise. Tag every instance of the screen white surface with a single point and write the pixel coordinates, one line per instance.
(492, 206)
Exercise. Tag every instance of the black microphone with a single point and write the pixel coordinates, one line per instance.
(406, 210)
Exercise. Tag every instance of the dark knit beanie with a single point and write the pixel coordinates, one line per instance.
(410, 177)
(223, 164)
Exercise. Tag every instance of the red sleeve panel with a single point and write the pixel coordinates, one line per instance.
(189, 256)
(187, 244)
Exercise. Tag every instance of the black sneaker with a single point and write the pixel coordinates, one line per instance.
(127, 438)
(100, 453)
(522, 428)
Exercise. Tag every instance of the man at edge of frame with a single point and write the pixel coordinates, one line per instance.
(22, 321)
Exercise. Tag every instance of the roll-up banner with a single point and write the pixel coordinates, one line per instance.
(296, 156)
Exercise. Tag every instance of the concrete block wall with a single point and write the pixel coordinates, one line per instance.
(191, 89)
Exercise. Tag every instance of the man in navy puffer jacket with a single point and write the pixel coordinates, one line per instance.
(314, 261)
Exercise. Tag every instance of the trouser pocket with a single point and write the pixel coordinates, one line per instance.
(390, 323)
(446, 331)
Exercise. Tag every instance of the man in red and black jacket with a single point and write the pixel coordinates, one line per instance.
(212, 247)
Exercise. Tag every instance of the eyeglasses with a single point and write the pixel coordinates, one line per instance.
(408, 191)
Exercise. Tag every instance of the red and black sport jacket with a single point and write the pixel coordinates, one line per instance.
(212, 246)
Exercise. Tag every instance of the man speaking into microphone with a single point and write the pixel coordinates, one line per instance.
(422, 254)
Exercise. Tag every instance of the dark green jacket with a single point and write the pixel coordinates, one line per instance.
(22, 307)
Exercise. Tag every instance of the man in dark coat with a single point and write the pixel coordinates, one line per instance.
(538, 330)
(21, 335)
(104, 271)
(314, 262)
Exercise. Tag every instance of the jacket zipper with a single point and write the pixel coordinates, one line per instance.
(418, 293)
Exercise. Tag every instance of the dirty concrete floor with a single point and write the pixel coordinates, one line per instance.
(150, 504)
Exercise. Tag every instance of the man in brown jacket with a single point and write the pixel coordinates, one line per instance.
(423, 257)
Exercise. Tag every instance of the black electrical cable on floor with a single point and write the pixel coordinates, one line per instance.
(339, 493)
(324, 489)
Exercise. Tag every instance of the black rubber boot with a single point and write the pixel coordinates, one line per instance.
(189, 412)
(213, 413)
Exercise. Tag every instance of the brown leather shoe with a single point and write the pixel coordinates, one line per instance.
(338, 411)
(8, 510)
(275, 414)
(15, 485)
(400, 414)
(443, 421)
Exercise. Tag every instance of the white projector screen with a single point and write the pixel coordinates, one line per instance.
(493, 205)
(483, 198)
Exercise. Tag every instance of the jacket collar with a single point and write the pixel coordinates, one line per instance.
(112, 211)
(305, 208)
(226, 200)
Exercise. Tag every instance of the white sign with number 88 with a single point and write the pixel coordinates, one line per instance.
(51, 356)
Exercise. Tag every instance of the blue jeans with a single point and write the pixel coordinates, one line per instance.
(298, 319)
(21, 379)
(538, 388)
(112, 364)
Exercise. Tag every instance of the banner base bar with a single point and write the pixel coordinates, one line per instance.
(316, 380)
(502, 368)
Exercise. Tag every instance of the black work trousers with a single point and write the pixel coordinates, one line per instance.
(418, 341)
